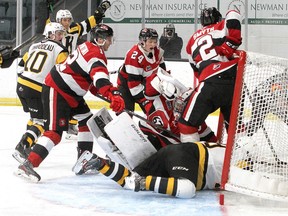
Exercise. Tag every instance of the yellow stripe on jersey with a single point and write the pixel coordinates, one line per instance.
(30, 84)
(201, 165)
(25, 57)
(170, 186)
(74, 29)
(61, 57)
(92, 21)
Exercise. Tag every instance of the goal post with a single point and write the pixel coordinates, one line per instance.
(256, 158)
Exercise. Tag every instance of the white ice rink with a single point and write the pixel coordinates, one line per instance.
(62, 193)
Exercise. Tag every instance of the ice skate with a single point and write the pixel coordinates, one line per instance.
(26, 171)
(135, 182)
(87, 163)
(21, 152)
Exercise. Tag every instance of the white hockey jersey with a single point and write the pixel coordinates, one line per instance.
(39, 60)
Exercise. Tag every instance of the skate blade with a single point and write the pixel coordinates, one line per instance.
(31, 178)
(71, 137)
(18, 157)
(91, 172)
(83, 159)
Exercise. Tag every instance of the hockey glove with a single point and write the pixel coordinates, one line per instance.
(117, 103)
(100, 11)
(7, 56)
(168, 90)
(228, 48)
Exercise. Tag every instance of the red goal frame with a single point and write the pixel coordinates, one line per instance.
(233, 117)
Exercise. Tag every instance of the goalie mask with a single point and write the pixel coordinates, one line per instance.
(101, 31)
(180, 102)
(210, 16)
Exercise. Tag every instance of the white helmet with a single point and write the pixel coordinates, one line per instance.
(52, 28)
(63, 14)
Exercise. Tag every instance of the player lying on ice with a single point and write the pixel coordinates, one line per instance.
(178, 170)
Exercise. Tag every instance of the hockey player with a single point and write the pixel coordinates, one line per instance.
(140, 62)
(37, 62)
(211, 52)
(176, 170)
(7, 56)
(167, 104)
(74, 32)
(65, 86)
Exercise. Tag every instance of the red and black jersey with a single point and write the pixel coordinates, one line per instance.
(203, 46)
(84, 69)
(138, 65)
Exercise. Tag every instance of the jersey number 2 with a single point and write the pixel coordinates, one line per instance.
(205, 50)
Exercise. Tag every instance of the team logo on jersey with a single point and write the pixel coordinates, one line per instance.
(62, 122)
(157, 120)
(216, 66)
(148, 68)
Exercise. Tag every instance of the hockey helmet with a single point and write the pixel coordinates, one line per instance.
(210, 16)
(101, 31)
(51, 29)
(63, 14)
(147, 33)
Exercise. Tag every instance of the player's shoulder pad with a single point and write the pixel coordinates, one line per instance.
(233, 14)
(59, 44)
(73, 28)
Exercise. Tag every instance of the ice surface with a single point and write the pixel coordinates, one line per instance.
(62, 193)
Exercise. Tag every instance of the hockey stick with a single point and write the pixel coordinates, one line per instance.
(158, 127)
(27, 42)
(265, 131)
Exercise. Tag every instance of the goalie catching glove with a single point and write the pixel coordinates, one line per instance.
(165, 88)
(117, 103)
(100, 11)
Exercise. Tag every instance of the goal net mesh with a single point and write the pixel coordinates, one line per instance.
(256, 160)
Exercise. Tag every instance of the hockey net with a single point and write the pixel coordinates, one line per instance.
(256, 159)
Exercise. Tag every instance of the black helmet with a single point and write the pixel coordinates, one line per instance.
(101, 31)
(210, 16)
(147, 33)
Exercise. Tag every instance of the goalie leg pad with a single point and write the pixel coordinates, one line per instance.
(129, 139)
